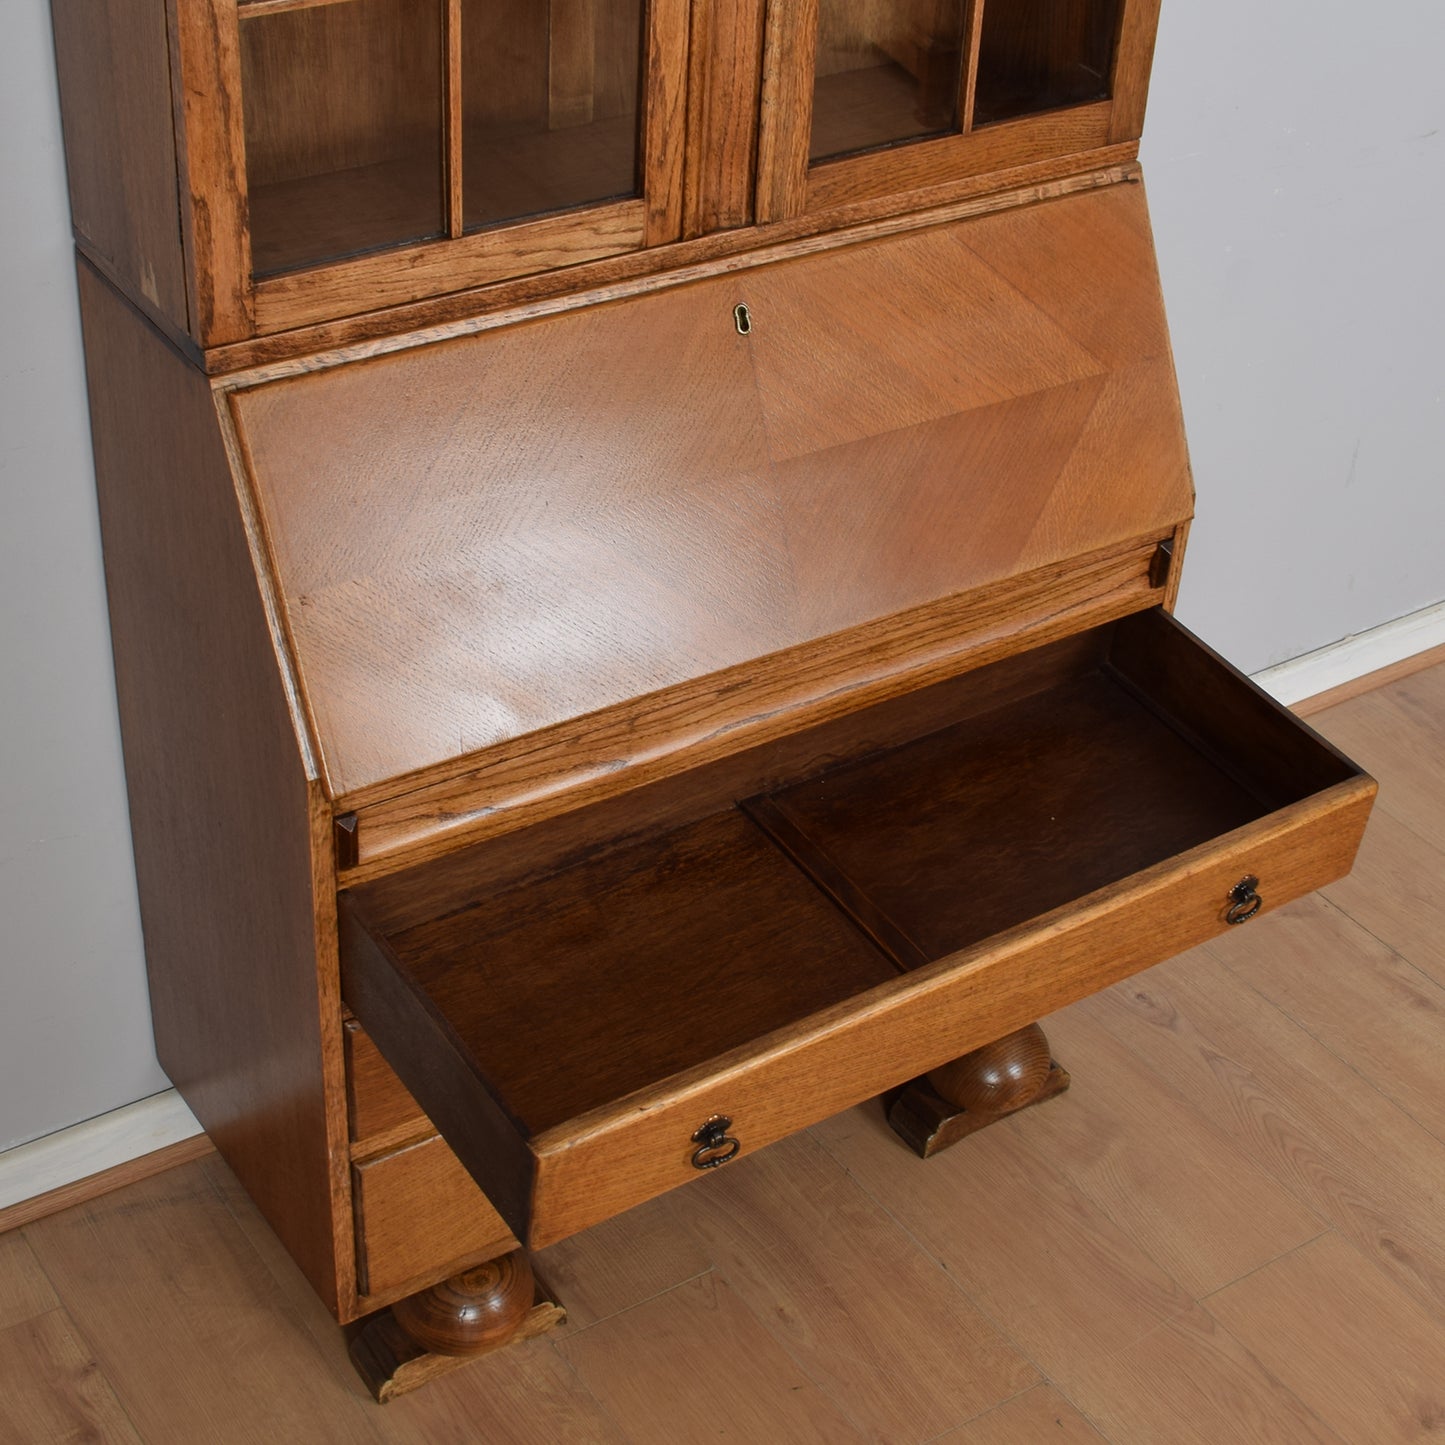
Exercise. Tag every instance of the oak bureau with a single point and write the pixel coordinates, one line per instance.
(641, 538)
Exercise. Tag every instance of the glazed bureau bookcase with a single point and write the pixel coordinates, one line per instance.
(641, 538)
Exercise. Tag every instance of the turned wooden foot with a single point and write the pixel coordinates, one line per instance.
(438, 1330)
(976, 1090)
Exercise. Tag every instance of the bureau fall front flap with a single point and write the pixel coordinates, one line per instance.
(482, 538)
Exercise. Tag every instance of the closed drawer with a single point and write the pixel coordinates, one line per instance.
(992, 850)
(377, 1102)
(419, 1216)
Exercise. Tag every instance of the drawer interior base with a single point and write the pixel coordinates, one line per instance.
(989, 823)
(584, 986)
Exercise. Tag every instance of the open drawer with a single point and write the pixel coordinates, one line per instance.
(776, 938)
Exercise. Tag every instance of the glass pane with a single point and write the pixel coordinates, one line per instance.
(1042, 54)
(343, 107)
(886, 71)
(550, 105)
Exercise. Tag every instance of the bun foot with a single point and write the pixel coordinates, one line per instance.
(440, 1329)
(471, 1312)
(978, 1089)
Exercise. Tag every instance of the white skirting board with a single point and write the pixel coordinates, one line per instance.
(1354, 657)
(138, 1129)
(94, 1146)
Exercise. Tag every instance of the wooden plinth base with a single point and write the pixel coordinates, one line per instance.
(977, 1090)
(392, 1363)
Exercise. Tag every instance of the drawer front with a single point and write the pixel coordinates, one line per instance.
(419, 1217)
(596, 1168)
(377, 1102)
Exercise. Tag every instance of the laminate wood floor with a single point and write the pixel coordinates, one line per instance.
(1231, 1229)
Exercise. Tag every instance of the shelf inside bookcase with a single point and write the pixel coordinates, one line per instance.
(514, 174)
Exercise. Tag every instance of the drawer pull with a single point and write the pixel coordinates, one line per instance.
(715, 1146)
(1246, 902)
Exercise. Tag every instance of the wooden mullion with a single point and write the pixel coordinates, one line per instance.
(664, 121)
(1133, 60)
(789, 49)
(206, 50)
(452, 99)
(971, 45)
(725, 78)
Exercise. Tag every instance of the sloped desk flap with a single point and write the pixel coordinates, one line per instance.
(480, 538)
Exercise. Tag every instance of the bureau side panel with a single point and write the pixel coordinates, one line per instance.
(120, 148)
(221, 804)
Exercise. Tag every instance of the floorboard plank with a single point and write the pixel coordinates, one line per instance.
(1396, 892)
(890, 1337)
(1165, 1173)
(24, 1290)
(1043, 1262)
(1393, 735)
(1346, 1151)
(1192, 1383)
(620, 1263)
(51, 1390)
(1040, 1416)
(1346, 1340)
(694, 1366)
(1355, 995)
(179, 1311)
(527, 1395)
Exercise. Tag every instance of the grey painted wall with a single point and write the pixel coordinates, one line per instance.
(74, 1023)
(1295, 154)
(1298, 200)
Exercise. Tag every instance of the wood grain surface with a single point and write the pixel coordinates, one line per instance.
(184, 1256)
(419, 1217)
(1374, 1349)
(210, 130)
(377, 1101)
(1036, 1415)
(991, 823)
(498, 573)
(73, 1401)
(104, 1182)
(671, 736)
(222, 809)
(725, 64)
(1193, 1382)
(650, 1375)
(27, 1292)
(984, 1210)
(643, 964)
(120, 154)
(868, 1337)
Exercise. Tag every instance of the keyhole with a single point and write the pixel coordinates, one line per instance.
(743, 318)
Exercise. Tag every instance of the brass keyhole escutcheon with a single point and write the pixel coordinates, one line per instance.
(1246, 901)
(715, 1146)
(743, 318)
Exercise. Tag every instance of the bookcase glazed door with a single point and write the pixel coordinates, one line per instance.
(349, 154)
(871, 98)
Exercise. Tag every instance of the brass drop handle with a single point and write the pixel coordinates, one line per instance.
(715, 1146)
(1246, 901)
